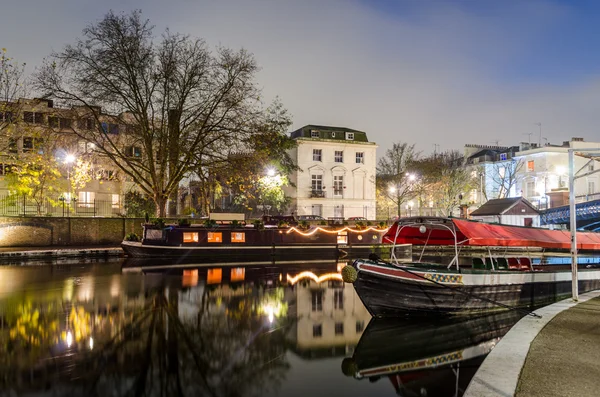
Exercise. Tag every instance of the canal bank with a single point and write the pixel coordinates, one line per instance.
(11, 254)
(555, 355)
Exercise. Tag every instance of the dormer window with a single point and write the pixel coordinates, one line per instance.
(333, 134)
(314, 133)
(350, 136)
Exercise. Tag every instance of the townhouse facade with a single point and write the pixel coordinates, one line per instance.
(336, 176)
(35, 127)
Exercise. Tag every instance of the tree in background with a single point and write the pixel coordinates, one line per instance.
(179, 100)
(12, 87)
(397, 181)
(137, 204)
(504, 176)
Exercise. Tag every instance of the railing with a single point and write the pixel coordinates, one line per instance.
(17, 205)
(314, 193)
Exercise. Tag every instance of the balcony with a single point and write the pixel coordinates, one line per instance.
(315, 193)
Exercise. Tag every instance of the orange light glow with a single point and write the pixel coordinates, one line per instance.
(238, 274)
(238, 237)
(190, 278)
(310, 275)
(215, 237)
(214, 276)
(189, 237)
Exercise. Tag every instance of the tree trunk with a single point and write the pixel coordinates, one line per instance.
(161, 205)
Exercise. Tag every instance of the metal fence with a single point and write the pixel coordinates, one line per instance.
(17, 205)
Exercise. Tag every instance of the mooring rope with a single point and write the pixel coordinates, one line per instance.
(470, 294)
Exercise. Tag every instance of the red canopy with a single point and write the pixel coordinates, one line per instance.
(486, 234)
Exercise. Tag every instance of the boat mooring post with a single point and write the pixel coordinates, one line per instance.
(573, 226)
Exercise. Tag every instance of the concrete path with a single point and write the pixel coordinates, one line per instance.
(551, 356)
(36, 253)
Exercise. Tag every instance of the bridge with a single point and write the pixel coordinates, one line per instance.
(588, 215)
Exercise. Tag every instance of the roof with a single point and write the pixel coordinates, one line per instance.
(438, 231)
(501, 206)
(329, 132)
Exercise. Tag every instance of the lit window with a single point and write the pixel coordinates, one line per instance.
(342, 238)
(238, 237)
(339, 156)
(317, 154)
(530, 166)
(116, 201)
(238, 274)
(189, 237)
(215, 237)
(86, 199)
(360, 157)
(214, 276)
(350, 136)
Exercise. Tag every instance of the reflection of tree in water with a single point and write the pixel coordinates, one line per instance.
(158, 352)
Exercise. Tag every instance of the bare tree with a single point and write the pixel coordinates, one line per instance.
(12, 87)
(396, 180)
(177, 98)
(504, 177)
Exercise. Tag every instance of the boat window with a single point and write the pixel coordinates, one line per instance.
(238, 274)
(342, 238)
(215, 237)
(238, 237)
(189, 237)
(214, 276)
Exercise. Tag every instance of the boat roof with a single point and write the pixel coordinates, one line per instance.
(448, 231)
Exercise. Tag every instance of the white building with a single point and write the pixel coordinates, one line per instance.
(337, 173)
(543, 178)
(508, 211)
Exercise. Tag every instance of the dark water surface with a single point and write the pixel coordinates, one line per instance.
(102, 329)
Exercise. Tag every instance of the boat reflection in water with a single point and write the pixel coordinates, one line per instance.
(427, 357)
(214, 330)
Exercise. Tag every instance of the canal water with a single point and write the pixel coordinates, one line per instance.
(133, 328)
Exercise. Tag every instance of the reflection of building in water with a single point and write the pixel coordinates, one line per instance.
(330, 317)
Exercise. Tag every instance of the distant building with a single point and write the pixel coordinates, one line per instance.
(337, 173)
(508, 211)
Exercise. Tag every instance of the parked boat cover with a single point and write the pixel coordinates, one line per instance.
(440, 232)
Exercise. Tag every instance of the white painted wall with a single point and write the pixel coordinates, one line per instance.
(358, 196)
(516, 220)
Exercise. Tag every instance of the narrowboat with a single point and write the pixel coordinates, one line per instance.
(228, 243)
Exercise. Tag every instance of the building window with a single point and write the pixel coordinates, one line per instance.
(338, 299)
(350, 136)
(531, 189)
(360, 157)
(338, 185)
(317, 154)
(591, 187)
(317, 183)
(342, 238)
(360, 326)
(339, 156)
(12, 145)
(502, 156)
(110, 128)
(317, 301)
(339, 328)
(116, 201)
(86, 199)
(530, 166)
(133, 151)
(591, 167)
(29, 144)
(238, 237)
(6, 117)
(32, 117)
(189, 237)
(215, 237)
(86, 124)
(314, 133)
(317, 330)
(214, 276)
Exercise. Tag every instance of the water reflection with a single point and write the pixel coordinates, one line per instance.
(427, 357)
(271, 329)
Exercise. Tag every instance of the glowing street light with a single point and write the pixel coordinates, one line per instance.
(69, 159)
(271, 172)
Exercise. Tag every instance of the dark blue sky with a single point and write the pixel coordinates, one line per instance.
(432, 72)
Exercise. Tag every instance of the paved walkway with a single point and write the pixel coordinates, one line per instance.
(24, 253)
(557, 355)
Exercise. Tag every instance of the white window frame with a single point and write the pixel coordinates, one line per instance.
(317, 154)
(360, 157)
(314, 134)
(349, 136)
(338, 156)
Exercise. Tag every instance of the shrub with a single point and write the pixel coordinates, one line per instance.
(382, 224)
(158, 222)
(369, 223)
(304, 225)
(236, 224)
(132, 237)
(283, 224)
(258, 224)
(136, 204)
(359, 225)
(183, 222)
(210, 223)
(323, 223)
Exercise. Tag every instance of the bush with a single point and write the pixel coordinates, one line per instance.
(258, 224)
(323, 223)
(137, 204)
(132, 237)
(283, 224)
(210, 223)
(359, 225)
(159, 222)
(382, 224)
(183, 222)
(369, 223)
(236, 224)
(304, 225)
